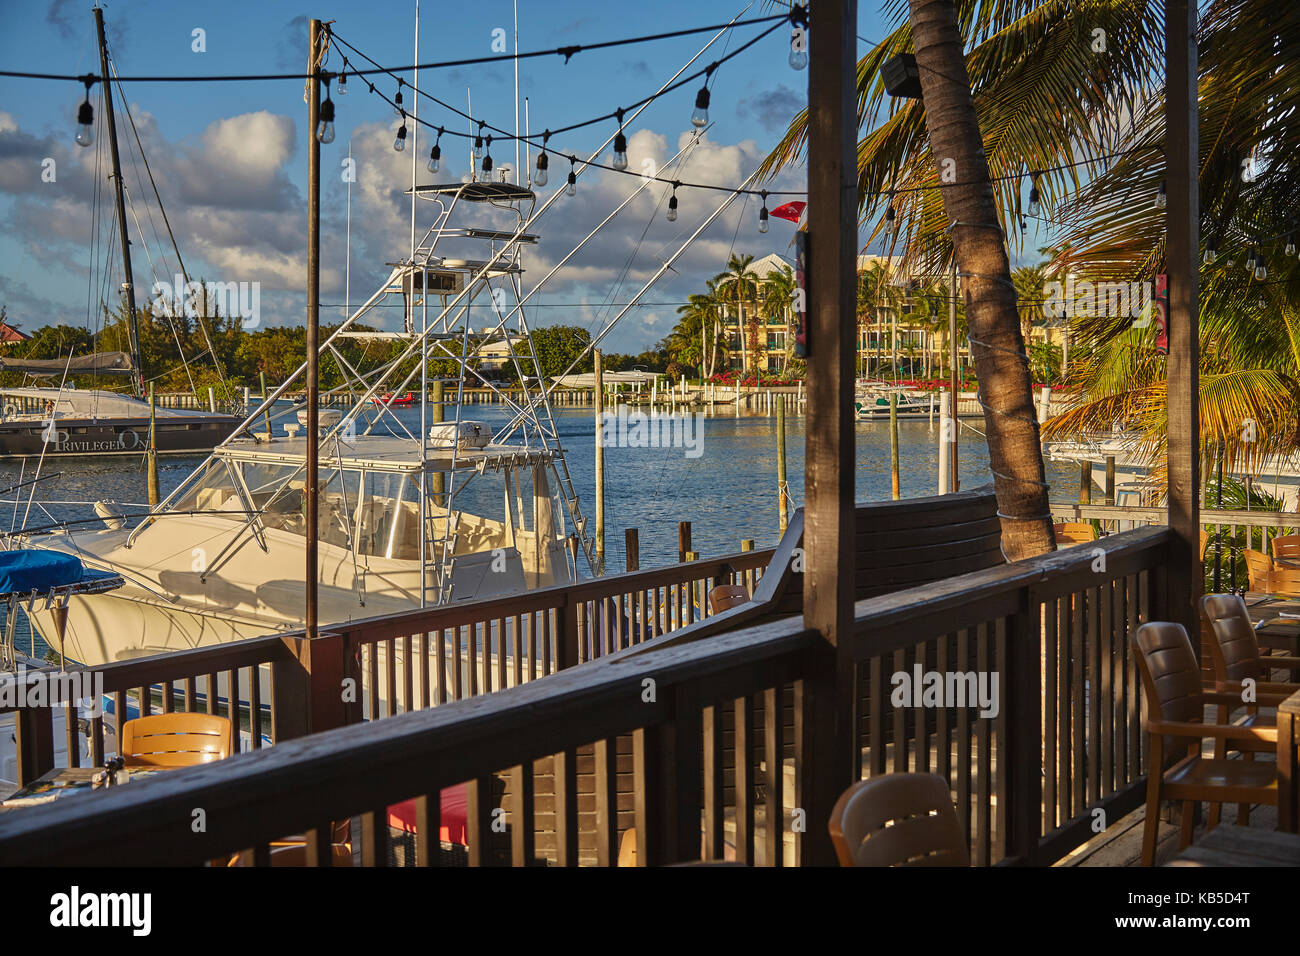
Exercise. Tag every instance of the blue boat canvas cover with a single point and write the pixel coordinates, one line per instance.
(37, 569)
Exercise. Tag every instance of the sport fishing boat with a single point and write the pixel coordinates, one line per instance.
(412, 511)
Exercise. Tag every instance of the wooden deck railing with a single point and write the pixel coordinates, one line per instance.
(1064, 743)
(284, 686)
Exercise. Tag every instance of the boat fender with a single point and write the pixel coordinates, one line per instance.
(111, 513)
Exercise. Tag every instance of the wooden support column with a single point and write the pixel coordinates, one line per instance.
(827, 746)
(311, 497)
(1182, 262)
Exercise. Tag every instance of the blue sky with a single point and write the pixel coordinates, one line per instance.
(231, 162)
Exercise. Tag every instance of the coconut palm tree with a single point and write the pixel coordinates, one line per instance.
(739, 284)
(696, 332)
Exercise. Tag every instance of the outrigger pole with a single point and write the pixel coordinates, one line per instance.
(133, 330)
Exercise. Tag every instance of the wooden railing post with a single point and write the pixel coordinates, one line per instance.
(566, 637)
(1021, 695)
(308, 689)
(34, 740)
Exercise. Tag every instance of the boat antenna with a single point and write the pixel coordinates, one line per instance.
(137, 380)
(516, 6)
(415, 132)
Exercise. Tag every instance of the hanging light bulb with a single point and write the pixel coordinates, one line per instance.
(620, 145)
(1035, 200)
(1261, 270)
(762, 215)
(672, 205)
(1250, 259)
(435, 153)
(478, 145)
(1290, 245)
(1210, 253)
(399, 144)
(701, 115)
(541, 177)
(798, 47)
(325, 128)
(343, 80)
(572, 187)
(86, 119)
(487, 161)
(1162, 200)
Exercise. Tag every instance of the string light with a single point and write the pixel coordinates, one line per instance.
(1035, 200)
(762, 215)
(798, 49)
(1261, 271)
(1250, 259)
(701, 115)
(1162, 200)
(86, 118)
(620, 146)
(399, 144)
(325, 128)
(343, 79)
(487, 161)
(572, 188)
(478, 144)
(541, 177)
(1210, 253)
(672, 205)
(435, 154)
(1290, 245)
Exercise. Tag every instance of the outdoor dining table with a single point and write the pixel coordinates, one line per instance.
(1229, 845)
(64, 782)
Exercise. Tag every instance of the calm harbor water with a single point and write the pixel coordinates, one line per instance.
(727, 491)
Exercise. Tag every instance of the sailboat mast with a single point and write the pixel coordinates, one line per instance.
(137, 380)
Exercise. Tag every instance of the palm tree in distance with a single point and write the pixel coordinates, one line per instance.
(740, 283)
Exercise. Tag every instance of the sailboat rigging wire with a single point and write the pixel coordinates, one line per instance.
(154, 272)
(162, 210)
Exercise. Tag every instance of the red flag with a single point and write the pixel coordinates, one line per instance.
(791, 211)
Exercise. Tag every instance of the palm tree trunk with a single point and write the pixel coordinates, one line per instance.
(1005, 389)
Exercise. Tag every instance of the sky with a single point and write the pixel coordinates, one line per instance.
(230, 159)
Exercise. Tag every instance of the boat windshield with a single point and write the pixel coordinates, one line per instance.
(375, 512)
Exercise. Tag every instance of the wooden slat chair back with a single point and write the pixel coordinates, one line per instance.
(1073, 532)
(176, 740)
(1175, 709)
(898, 819)
(726, 596)
(1234, 648)
(1286, 547)
(1258, 565)
(1285, 581)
